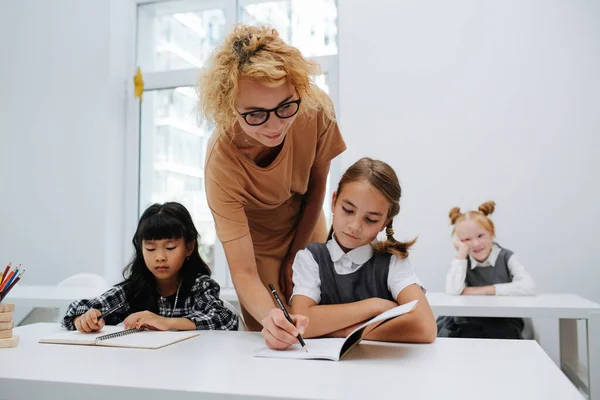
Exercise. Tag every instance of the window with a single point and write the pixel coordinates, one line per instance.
(310, 25)
(175, 38)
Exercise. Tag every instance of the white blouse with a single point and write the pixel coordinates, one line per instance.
(307, 280)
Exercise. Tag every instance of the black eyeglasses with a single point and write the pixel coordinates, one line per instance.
(283, 111)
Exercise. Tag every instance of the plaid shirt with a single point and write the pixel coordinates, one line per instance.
(202, 306)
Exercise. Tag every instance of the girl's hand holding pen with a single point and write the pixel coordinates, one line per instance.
(278, 332)
(89, 322)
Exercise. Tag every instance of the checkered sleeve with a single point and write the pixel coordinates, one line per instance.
(208, 311)
(108, 300)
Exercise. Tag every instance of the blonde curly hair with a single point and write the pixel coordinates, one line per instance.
(256, 53)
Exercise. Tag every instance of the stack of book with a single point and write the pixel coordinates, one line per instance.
(6, 326)
(8, 280)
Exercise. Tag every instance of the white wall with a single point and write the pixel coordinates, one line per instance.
(468, 100)
(472, 100)
(63, 100)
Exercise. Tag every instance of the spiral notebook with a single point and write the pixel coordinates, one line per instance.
(115, 336)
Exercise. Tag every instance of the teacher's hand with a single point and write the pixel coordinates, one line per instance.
(278, 332)
(285, 277)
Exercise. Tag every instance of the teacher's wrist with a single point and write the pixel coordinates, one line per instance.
(265, 307)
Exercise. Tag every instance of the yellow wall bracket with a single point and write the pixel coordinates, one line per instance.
(138, 84)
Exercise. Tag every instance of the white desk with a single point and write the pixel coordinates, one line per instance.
(220, 365)
(34, 296)
(567, 308)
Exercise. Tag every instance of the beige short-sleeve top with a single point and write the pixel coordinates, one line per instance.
(266, 202)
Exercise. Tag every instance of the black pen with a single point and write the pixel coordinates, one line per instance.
(287, 316)
(108, 312)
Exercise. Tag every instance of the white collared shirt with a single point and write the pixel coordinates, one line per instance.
(307, 280)
(522, 284)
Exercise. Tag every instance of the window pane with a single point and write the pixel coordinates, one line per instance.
(322, 82)
(178, 34)
(310, 25)
(172, 158)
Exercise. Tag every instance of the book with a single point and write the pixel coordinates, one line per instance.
(6, 334)
(5, 326)
(335, 348)
(115, 336)
(6, 316)
(6, 307)
(12, 341)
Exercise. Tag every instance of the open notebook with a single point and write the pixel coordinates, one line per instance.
(336, 348)
(115, 336)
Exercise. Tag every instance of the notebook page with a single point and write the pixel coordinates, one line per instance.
(76, 337)
(148, 339)
(324, 349)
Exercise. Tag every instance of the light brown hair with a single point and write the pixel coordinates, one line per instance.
(256, 53)
(383, 178)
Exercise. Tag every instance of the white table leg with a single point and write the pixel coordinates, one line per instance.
(569, 353)
(593, 346)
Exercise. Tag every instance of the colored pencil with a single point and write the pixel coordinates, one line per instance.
(4, 274)
(4, 293)
(8, 278)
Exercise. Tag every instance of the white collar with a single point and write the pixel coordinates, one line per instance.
(490, 261)
(359, 255)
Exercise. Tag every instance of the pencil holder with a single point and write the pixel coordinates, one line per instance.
(6, 326)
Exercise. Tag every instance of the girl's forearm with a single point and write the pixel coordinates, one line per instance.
(325, 319)
(181, 324)
(411, 328)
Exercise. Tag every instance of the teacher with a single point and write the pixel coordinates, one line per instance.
(266, 167)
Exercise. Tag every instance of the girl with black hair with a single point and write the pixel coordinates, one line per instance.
(167, 285)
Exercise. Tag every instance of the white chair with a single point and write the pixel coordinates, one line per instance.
(84, 280)
(54, 314)
(242, 326)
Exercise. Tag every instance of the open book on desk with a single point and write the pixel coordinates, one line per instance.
(336, 348)
(116, 336)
